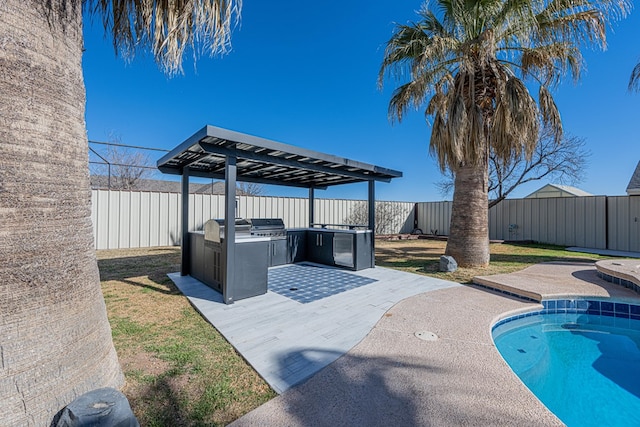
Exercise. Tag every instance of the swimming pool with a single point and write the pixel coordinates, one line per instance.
(581, 358)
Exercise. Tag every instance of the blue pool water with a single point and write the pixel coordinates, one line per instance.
(585, 368)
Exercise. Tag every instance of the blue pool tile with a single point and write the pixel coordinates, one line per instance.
(606, 307)
(582, 304)
(622, 309)
(561, 303)
(594, 307)
(634, 309)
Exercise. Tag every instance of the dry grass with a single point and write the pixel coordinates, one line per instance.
(423, 257)
(181, 372)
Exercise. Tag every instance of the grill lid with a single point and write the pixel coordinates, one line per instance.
(267, 224)
(214, 228)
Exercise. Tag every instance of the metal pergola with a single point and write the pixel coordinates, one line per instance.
(218, 153)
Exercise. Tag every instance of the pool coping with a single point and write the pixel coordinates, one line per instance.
(623, 272)
(563, 280)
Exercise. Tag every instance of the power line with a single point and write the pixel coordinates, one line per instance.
(128, 146)
(123, 165)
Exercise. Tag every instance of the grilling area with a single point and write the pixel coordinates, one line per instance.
(234, 255)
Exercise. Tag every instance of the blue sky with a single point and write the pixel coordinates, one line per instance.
(306, 75)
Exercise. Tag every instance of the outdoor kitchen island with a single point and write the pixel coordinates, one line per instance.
(350, 249)
(216, 153)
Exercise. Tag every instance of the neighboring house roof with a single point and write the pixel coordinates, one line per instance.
(557, 190)
(633, 189)
(101, 182)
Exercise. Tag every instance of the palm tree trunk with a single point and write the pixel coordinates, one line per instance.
(55, 339)
(468, 241)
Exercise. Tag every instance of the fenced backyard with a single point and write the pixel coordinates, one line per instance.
(134, 219)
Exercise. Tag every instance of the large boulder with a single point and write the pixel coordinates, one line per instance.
(448, 264)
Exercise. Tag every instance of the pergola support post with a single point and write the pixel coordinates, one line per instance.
(311, 206)
(372, 219)
(184, 241)
(228, 250)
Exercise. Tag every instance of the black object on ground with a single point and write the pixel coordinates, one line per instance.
(104, 407)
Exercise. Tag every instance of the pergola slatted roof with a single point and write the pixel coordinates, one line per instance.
(267, 162)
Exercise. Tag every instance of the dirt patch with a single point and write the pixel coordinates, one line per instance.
(143, 361)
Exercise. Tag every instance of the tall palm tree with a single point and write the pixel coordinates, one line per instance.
(471, 59)
(55, 340)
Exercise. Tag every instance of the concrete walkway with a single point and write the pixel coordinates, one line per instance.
(393, 377)
(287, 341)
(606, 252)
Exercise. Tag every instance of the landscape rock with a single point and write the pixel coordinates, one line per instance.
(448, 264)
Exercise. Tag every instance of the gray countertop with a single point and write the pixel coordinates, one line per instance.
(241, 239)
(334, 230)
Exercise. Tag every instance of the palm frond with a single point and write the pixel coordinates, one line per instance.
(515, 129)
(550, 114)
(634, 80)
(439, 146)
(168, 27)
(547, 63)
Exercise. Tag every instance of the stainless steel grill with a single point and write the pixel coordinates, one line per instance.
(214, 229)
(268, 227)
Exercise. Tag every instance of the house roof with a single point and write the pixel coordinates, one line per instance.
(267, 162)
(633, 189)
(558, 187)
